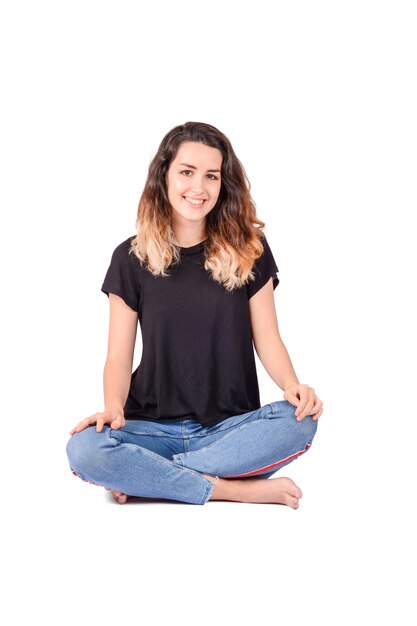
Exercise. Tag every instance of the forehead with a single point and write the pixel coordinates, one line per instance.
(199, 155)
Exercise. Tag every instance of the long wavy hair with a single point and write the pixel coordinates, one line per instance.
(233, 230)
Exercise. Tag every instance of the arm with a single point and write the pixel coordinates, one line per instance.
(274, 356)
(118, 367)
(267, 340)
(121, 344)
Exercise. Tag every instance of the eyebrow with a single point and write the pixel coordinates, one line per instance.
(194, 167)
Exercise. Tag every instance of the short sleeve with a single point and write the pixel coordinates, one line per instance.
(263, 269)
(122, 276)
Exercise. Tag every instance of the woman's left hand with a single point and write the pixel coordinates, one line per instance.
(306, 401)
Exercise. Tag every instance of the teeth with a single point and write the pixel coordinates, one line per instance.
(191, 201)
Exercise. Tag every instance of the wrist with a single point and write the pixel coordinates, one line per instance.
(116, 408)
(291, 384)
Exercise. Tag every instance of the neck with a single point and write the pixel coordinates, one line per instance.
(186, 240)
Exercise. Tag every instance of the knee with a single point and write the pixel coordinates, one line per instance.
(305, 429)
(308, 427)
(84, 448)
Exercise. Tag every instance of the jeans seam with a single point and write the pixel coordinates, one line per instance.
(210, 445)
(226, 428)
(150, 434)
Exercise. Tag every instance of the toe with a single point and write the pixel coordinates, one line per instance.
(118, 496)
(295, 491)
(294, 503)
(298, 493)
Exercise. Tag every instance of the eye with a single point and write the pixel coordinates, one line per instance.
(190, 172)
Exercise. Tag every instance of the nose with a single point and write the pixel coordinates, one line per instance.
(197, 184)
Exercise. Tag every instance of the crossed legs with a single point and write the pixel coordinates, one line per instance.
(241, 458)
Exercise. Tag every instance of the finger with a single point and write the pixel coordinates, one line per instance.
(293, 399)
(116, 423)
(317, 415)
(315, 412)
(304, 395)
(304, 401)
(100, 423)
(75, 429)
(306, 409)
(83, 424)
(318, 407)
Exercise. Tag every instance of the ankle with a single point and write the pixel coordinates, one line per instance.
(228, 489)
(211, 478)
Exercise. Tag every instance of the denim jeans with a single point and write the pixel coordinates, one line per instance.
(166, 459)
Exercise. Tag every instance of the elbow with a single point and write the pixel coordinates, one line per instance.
(269, 347)
(120, 364)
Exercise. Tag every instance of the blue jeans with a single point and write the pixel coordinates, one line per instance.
(166, 459)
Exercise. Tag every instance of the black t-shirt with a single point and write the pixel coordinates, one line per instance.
(198, 357)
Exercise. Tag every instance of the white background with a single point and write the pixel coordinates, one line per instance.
(319, 102)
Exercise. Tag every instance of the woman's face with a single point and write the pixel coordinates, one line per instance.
(194, 174)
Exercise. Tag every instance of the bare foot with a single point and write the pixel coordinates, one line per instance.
(120, 497)
(274, 490)
(257, 490)
(260, 490)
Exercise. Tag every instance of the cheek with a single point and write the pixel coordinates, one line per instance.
(215, 192)
(177, 186)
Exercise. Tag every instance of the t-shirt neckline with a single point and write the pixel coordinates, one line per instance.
(193, 249)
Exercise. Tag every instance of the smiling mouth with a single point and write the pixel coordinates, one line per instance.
(192, 202)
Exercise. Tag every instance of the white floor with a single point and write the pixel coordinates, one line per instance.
(83, 559)
(319, 101)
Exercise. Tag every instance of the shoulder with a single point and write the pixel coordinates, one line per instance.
(122, 251)
(266, 253)
(264, 267)
(125, 245)
(264, 242)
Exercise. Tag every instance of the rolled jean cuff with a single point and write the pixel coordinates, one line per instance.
(209, 489)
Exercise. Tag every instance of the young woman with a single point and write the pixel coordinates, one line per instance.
(199, 276)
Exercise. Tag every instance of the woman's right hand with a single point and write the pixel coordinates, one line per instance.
(115, 418)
